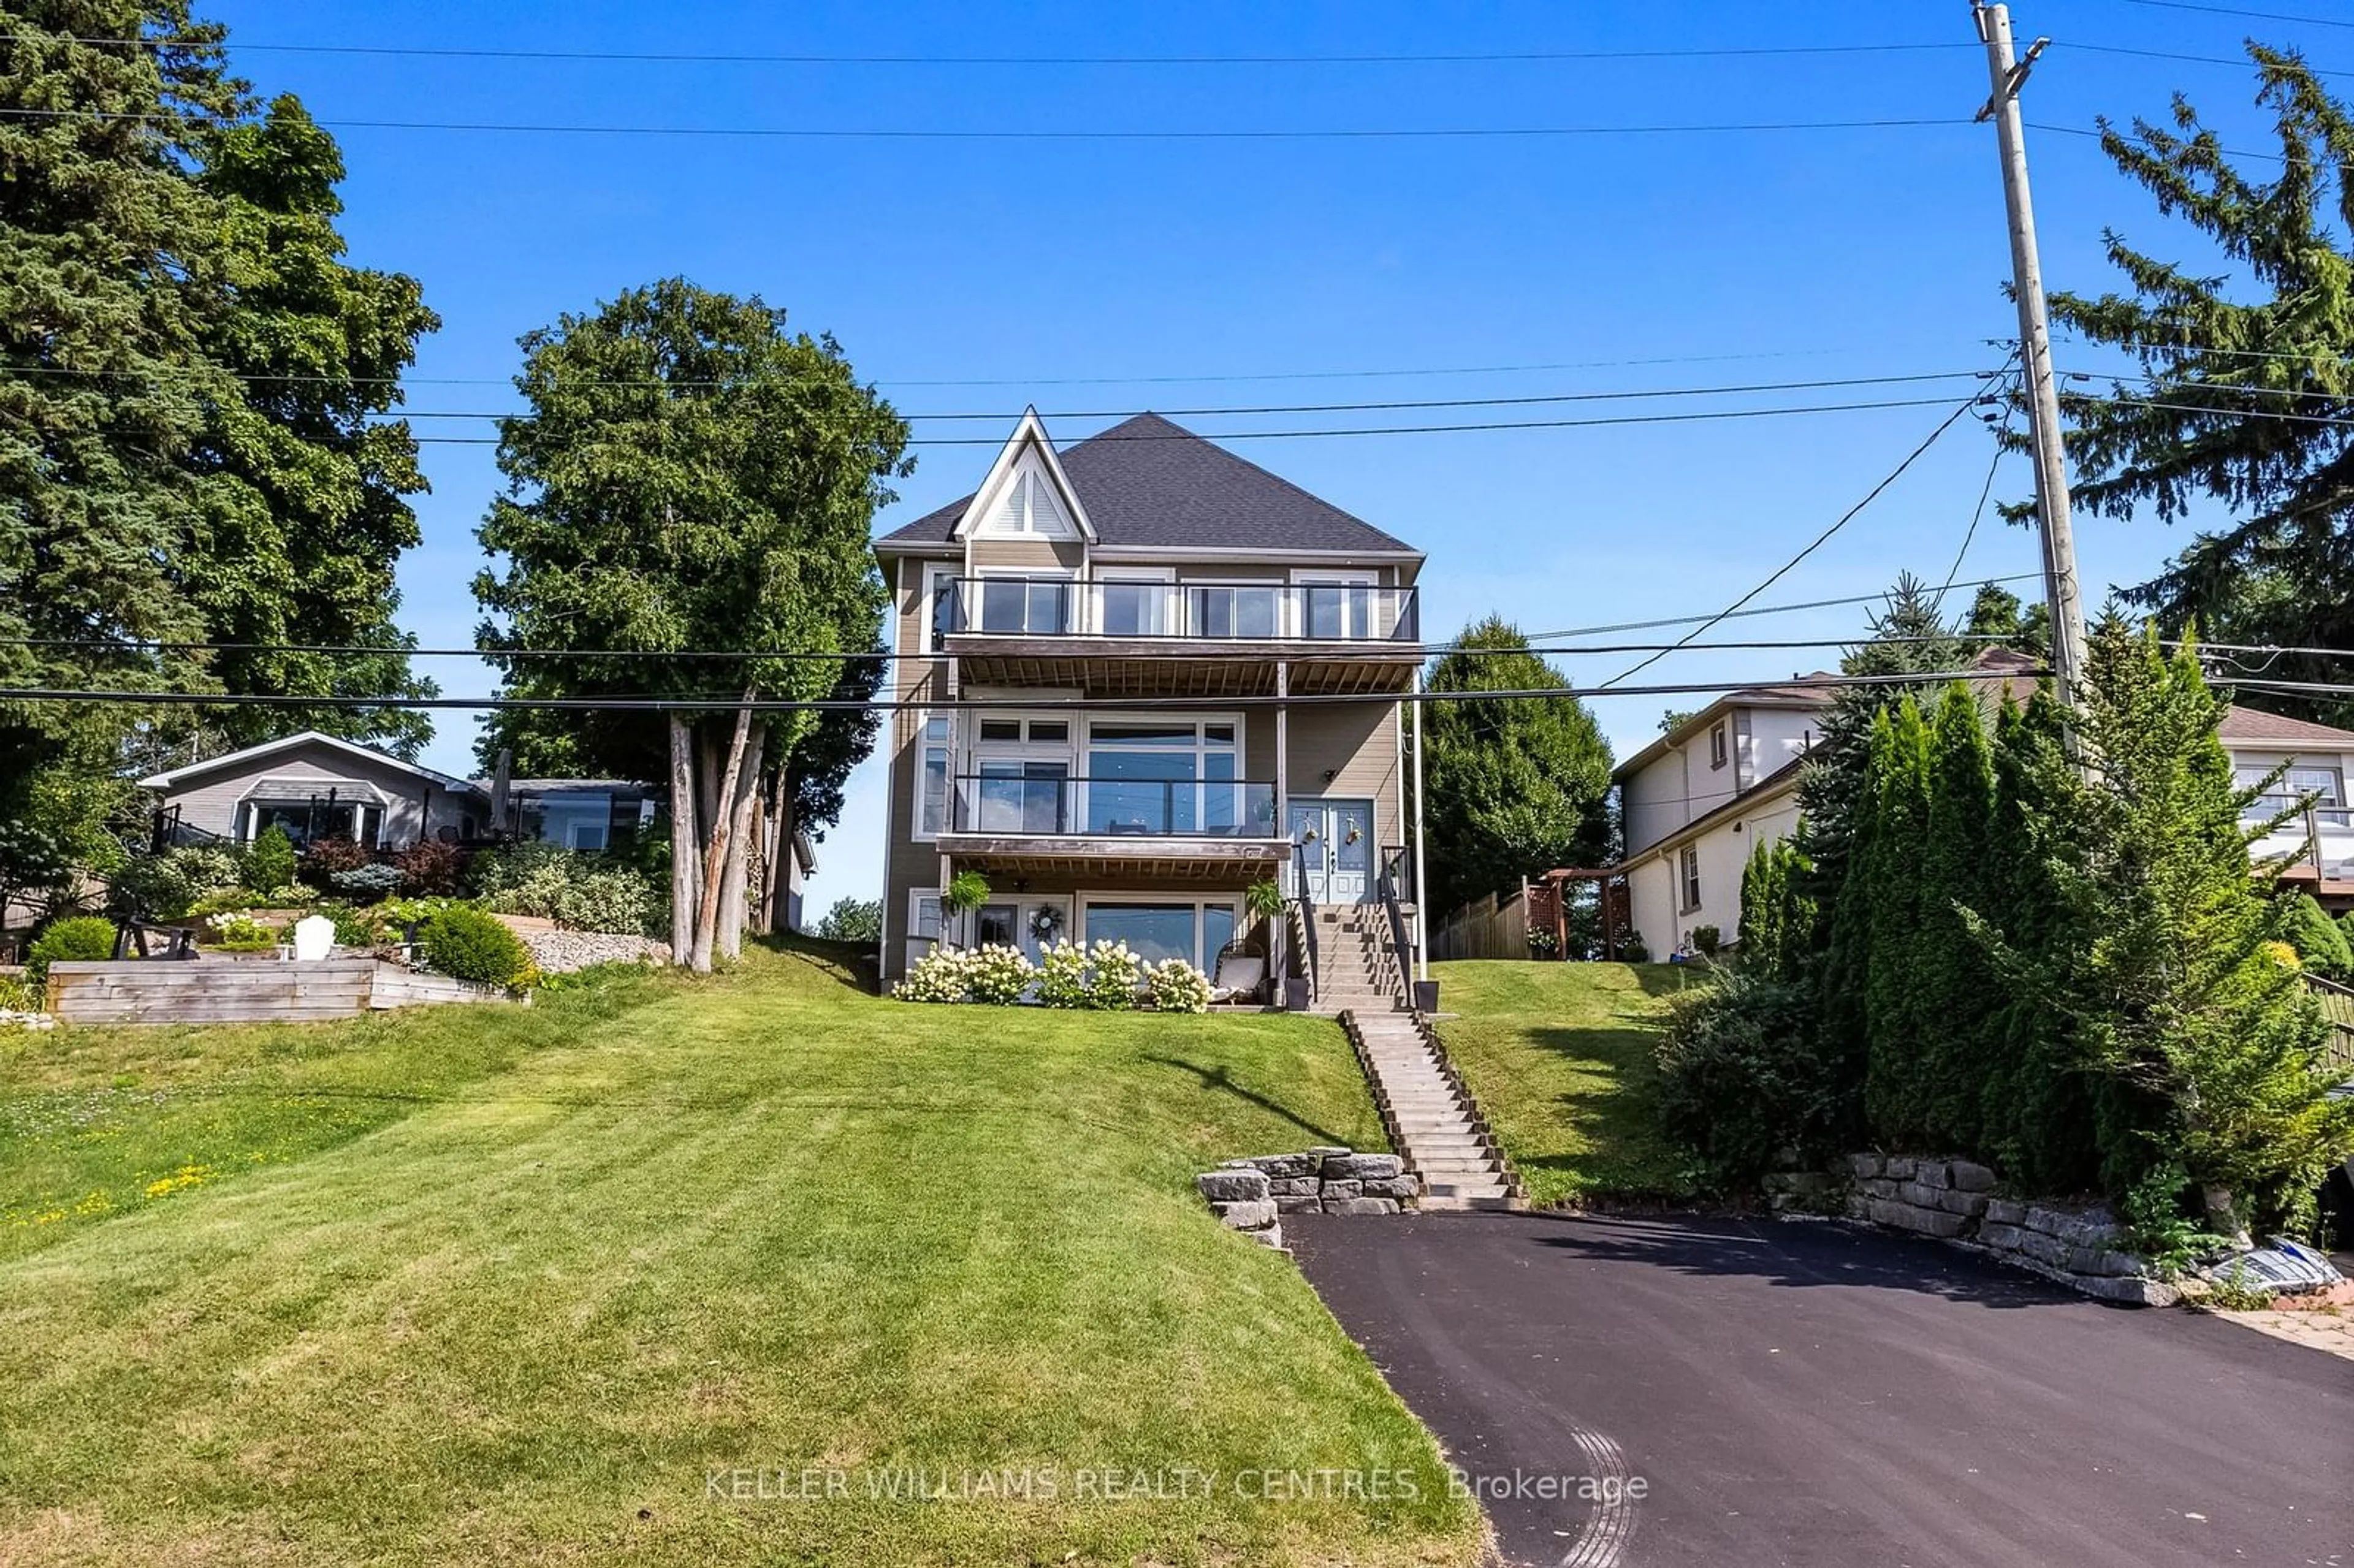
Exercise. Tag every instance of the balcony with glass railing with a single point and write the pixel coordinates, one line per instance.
(1006, 806)
(1146, 612)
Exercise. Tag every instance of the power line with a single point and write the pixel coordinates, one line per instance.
(1978, 513)
(1819, 540)
(275, 378)
(1377, 429)
(1078, 646)
(1517, 400)
(2242, 61)
(1763, 609)
(638, 57)
(638, 703)
(1521, 400)
(2237, 11)
(847, 133)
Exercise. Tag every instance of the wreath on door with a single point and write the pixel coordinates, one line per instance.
(1046, 924)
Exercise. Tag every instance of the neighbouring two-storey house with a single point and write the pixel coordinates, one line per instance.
(1134, 677)
(1697, 801)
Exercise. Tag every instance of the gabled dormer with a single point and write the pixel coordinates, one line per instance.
(1025, 497)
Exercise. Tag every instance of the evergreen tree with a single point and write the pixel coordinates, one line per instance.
(2320, 945)
(2253, 352)
(302, 508)
(1896, 1019)
(1515, 787)
(1952, 978)
(1777, 918)
(103, 387)
(2175, 993)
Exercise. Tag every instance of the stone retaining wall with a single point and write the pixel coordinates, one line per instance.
(1251, 1195)
(1954, 1200)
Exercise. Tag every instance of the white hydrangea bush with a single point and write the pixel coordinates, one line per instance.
(1114, 971)
(944, 974)
(999, 975)
(1179, 986)
(1063, 976)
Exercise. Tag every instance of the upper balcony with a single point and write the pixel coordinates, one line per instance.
(2317, 841)
(1031, 820)
(1180, 639)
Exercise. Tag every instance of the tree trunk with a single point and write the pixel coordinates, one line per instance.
(725, 804)
(776, 884)
(685, 858)
(743, 843)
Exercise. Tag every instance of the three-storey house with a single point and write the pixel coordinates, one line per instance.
(1132, 678)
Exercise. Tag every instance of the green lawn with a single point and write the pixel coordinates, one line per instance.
(1560, 1058)
(502, 1283)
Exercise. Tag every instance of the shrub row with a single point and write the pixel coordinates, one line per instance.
(1107, 977)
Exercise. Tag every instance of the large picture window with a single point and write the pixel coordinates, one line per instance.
(312, 818)
(1156, 930)
(1175, 776)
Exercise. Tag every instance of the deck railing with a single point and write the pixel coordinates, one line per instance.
(1114, 808)
(1014, 606)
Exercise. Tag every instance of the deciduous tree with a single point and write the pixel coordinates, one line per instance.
(1515, 786)
(690, 479)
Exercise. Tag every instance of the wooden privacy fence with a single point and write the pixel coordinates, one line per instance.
(1487, 928)
(2338, 1001)
(243, 990)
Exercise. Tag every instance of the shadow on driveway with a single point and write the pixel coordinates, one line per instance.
(1810, 1394)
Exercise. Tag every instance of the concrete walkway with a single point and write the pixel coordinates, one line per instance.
(1800, 1394)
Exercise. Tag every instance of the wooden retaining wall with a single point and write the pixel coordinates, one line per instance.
(243, 990)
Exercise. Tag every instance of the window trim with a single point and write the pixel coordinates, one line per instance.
(1688, 887)
(1198, 903)
(1720, 746)
(923, 744)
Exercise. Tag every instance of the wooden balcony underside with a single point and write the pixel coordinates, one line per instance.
(1128, 667)
(1218, 860)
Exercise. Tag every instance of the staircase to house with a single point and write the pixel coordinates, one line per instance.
(1431, 1118)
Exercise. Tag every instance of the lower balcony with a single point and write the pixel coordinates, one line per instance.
(1221, 831)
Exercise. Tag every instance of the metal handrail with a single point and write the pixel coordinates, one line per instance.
(1059, 805)
(1385, 887)
(1306, 904)
(1214, 612)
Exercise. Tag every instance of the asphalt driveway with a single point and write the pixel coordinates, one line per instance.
(1753, 1392)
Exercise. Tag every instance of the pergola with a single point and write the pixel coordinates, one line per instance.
(1548, 898)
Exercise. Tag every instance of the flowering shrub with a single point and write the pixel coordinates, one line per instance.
(572, 888)
(1113, 972)
(240, 935)
(1063, 976)
(1179, 986)
(998, 975)
(941, 975)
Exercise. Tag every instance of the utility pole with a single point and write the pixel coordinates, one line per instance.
(2060, 591)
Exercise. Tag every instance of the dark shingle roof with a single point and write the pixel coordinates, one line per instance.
(1148, 481)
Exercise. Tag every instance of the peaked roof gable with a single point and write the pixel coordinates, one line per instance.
(269, 749)
(1027, 453)
(1150, 483)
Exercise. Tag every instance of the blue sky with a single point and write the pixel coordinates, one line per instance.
(1086, 274)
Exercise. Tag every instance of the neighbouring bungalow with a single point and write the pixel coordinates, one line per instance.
(315, 786)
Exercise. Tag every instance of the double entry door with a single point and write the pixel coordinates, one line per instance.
(1332, 845)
